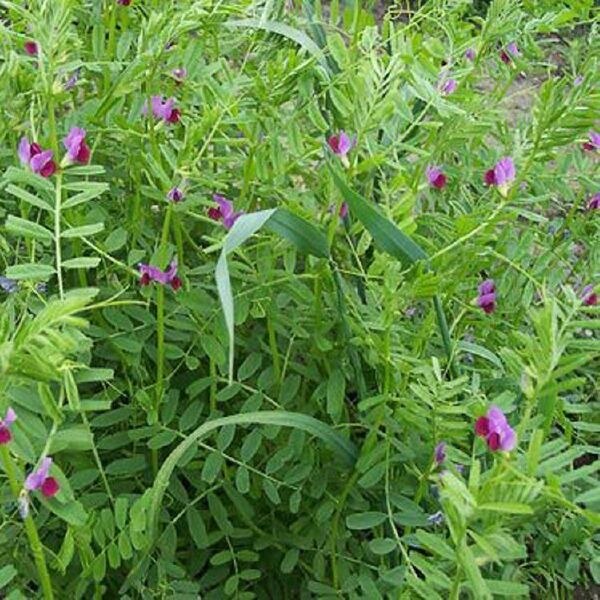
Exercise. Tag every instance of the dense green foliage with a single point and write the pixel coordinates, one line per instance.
(268, 429)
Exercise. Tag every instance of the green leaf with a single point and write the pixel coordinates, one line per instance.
(307, 238)
(7, 574)
(84, 262)
(507, 588)
(382, 546)
(29, 198)
(90, 191)
(27, 228)
(197, 527)
(365, 520)
(30, 271)
(336, 390)
(83, 231)
(514, 508)
(341, 446)
(473, 574)
(481, 351)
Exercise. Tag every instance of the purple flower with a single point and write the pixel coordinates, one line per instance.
(8, 285)
(593, 143)
(38, 160)
(175, 194)
(501, 175)
(436, 518)
(439, 453)
(496, 431)
(124, 2)
(31, 48)
(589, 296)
(447, 86)
(512, 49)
(39, 480)
(436, 177)
(72, 81)
(180, 73)
(164, 110)
(578, 80)
(487, 296)
(77, 149)
(470, 54)
(5, 425)
(340, 144)
(169, 277)
(594, 202)
(224, 212)
(343, 210)
(511, 52)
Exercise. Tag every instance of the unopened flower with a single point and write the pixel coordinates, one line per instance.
(340, 144)
(175, 194)
(39, 479)
(593, 142)
(31, 48)
(436, 518)
(179, 74)
(224, 212)
(496, 431)
(470, 54)
(164, 110)
(487, 296)
(436, 177)
(77, 149)
(6, 424)
(502, 175)
(38, 160)
(150, 273)
(8, 285)
(439, 454)
(124, 2)
(594, 202)
(447, 86)
(589, 296)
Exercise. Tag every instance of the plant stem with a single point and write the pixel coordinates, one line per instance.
(34, 539)
(57, 248)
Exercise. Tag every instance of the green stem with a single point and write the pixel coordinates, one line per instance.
(34, 539)
(57, 233)
(273, 345)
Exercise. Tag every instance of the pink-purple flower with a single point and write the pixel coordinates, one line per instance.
(343, 210)
(179, 74)
(341, 144)
(163, 109)
(77, 149)
(594, 202)
(224, 212)
(6, 424)
(39, 479)
(31, 48)
(149, 273)
(436, 177)
(470, 54)
(496, 431)
(589, 296)
(124, 2)
(38, 160)
(502, 175)
(447, 86)
(511, 52)
(175, 194)
(593, 142)
(487, 296)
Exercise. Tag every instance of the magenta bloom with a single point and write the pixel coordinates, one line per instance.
(487, 296)
(163, 110)
(439, 454)
(594, 202)
(124, 2)
(593, 143)
(224, 212)
(436, 177)
(179, 74)
(502, 174)
(448, 86)
(343, 210)
(175, 194)
(589, 296)
(149, 273)
(496, 431)
(38, 160)
(77, 149)
(512, 49)
(5, 425)
(470, 54)
(31, 48)
(341, 143)
(39, 480)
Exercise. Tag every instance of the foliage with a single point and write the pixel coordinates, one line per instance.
(268, 429)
